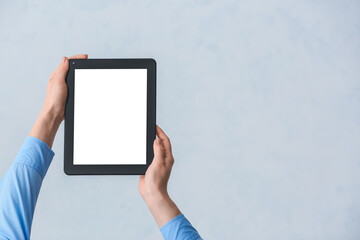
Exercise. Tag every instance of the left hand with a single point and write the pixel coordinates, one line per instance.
(52, 113)
(56, 92)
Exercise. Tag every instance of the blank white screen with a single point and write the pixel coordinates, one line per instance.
(110, 116)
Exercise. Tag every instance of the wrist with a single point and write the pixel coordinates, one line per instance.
(162, 208)
(154, 199)
(51, 115)
(46, 126)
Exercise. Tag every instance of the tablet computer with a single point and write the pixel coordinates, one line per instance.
(110, 116)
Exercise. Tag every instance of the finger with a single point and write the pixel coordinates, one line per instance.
(159, 152)
(60, 72)
(79, 56)
(164, 139)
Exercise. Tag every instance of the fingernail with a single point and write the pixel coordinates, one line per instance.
(157, 141)
(63, 59)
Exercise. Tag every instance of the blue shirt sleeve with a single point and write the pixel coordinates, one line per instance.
(179, 228)
(20, 187)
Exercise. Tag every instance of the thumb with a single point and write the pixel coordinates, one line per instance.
(63, 67)
(159, 151)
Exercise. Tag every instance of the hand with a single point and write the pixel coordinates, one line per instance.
(52, 113)
(153, 186)
(56, 92)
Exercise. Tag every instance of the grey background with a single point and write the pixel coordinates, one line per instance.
(261, 100)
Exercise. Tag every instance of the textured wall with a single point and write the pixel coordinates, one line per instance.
(261, 100)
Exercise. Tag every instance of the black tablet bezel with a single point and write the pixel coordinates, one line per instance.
(150, 65)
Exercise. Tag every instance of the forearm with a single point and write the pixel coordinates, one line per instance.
(20, 186)
(162, 208)
(172, 223)
(46, 126)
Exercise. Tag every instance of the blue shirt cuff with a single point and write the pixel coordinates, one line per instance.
(179, 228)
(36, 154)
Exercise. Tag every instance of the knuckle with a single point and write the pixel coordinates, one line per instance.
(159, 152)
(53, 75)
(167, 139)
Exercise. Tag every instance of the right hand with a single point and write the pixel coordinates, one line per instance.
(154, 182)
(153, 186)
